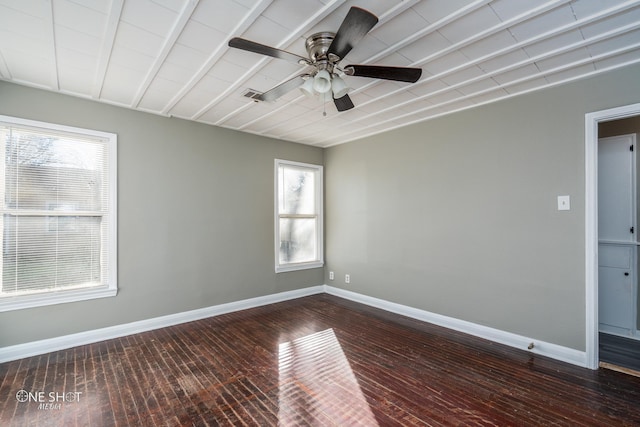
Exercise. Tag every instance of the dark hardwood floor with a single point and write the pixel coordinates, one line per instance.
(318, 360)
(620, 351)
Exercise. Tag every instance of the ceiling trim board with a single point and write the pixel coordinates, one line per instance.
(55, 80)
(108, 41)
(534, 59)
(215, 56)
(170, 41)
(395, 11)
(550, 5)
(234, 112)
(244, 131)
(529, 61)
(538, 75)
(553, 4)
(460, 13)
(299, 31)
(547, 35)
(524, 43)
(264, 116)
(103, 101)
(511, 95)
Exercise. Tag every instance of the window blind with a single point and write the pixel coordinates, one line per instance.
(55, 210)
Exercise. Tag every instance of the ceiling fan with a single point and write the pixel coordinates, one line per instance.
(326, 50)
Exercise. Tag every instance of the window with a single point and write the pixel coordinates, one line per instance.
(298, 216)
(58, 222)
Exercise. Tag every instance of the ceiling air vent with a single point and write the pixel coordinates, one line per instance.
(251, 94)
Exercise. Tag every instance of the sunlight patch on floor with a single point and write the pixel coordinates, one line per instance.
(317, 385)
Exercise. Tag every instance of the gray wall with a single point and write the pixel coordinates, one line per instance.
(195, 216)
(457, 215)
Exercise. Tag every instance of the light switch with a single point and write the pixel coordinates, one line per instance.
(564, 203)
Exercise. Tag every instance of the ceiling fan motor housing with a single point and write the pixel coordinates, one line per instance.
(318, 44)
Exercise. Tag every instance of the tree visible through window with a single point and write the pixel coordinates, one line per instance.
(58, 221)
(298, 216)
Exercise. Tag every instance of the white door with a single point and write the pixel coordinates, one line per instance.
(616, 234)
(615, 189)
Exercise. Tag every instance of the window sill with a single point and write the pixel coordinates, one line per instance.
(299, 266)
(60, 297)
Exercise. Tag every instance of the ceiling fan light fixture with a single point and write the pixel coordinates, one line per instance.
(339, 87)
(322, 82)
(307, 88)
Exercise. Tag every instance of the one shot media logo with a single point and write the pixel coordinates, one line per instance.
(48, 400)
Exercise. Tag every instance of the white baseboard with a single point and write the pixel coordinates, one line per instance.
(35, 348)
(553, 351)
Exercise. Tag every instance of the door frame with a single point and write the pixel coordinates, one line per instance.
(591, 221)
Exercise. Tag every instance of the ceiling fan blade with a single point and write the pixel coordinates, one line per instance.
(282, 89)
(344, 103)
(400, 74)
(254, 47)
(355, 26)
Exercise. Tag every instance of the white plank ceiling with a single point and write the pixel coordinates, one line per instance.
(171, 57)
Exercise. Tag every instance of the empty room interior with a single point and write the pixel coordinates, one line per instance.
(319, 212)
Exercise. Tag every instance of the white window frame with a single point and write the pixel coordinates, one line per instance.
(319, 216)
(108, 289)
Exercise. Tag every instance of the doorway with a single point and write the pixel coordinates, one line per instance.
(618, 347)
(617, 218)
(593, 121)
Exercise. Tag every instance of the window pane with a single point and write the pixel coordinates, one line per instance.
(298, 240)
(296, 191)
(45, 253)
(49, 172)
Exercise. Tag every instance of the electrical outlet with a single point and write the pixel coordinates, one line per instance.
(331, 277)
(347, 278)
